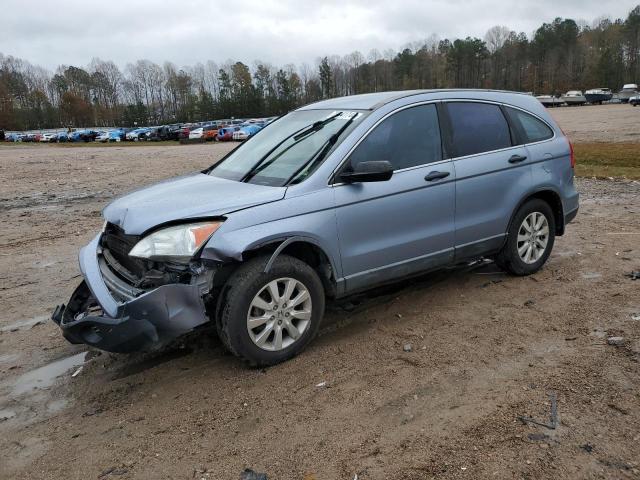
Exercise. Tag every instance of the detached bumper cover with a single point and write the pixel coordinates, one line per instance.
(95, 318)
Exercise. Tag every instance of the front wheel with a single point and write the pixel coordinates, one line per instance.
(267, 318)
(530, 239)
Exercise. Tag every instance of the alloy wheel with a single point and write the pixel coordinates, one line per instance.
(279, 314)
(533, 237)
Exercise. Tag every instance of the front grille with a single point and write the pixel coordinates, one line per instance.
(118, 245)
(121, 290)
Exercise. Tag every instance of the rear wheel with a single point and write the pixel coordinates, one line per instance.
(530, 239)
(267, 318)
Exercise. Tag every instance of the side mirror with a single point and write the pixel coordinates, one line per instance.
(372, 171)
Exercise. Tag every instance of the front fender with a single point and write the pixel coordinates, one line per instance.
(220, 251)
(311, 218)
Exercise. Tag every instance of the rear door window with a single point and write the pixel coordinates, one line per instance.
(477, 128)
(407, 139)
(529, 129)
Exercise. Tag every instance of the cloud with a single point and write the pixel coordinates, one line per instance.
(279, 32)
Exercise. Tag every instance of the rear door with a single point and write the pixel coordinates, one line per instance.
(391, 229)
(492, 171)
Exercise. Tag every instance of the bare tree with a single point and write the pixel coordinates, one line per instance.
(495, 38)
(560, 55)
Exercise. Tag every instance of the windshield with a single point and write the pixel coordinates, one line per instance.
(289, 149)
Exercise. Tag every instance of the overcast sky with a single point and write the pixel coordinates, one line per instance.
(72, 32)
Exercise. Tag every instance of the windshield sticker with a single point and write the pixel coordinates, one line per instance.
(347, 115)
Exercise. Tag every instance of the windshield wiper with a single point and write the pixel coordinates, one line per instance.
(316, 126)
(323, 150)
(298, 135)
(212, 167)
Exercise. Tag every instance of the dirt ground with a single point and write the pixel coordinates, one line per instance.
(599, 123)
(485, 349)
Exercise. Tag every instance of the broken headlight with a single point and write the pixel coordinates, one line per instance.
(176, 243)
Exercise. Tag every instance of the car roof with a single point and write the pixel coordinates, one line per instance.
(373, 101)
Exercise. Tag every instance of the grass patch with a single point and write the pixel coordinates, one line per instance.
(603, 160)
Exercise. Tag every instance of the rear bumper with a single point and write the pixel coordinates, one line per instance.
(148, 321)
(569, 216)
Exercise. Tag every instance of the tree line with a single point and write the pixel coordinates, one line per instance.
(557, 57)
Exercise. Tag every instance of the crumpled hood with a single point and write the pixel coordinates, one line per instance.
(193, 196)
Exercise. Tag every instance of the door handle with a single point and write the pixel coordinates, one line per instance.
(431, 176)
(517, 159)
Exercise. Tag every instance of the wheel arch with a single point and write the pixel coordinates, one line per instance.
(552, 198)
(303, 248)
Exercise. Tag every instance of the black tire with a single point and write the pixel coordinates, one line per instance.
(508, 259)
(239, 292)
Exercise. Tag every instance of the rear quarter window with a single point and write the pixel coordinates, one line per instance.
(529, 129)
(477, 128)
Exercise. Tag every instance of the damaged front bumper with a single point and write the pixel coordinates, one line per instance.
(97, 317)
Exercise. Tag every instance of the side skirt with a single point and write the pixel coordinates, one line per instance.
(480, 248)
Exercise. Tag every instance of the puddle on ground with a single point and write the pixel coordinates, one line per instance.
(28, 398)
(30, 322)
(8, 358)
(6, 414)
(44, 377)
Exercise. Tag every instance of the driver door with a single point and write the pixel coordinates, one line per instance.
(394, 228)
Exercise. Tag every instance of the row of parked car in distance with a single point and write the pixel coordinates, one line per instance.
(219, 130)
(53, 137)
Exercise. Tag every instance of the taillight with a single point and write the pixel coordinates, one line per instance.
(572, 155)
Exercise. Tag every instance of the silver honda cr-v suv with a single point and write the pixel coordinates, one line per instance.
(331, 199)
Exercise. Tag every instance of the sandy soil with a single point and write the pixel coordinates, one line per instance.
(486, 348)
(599, 123)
